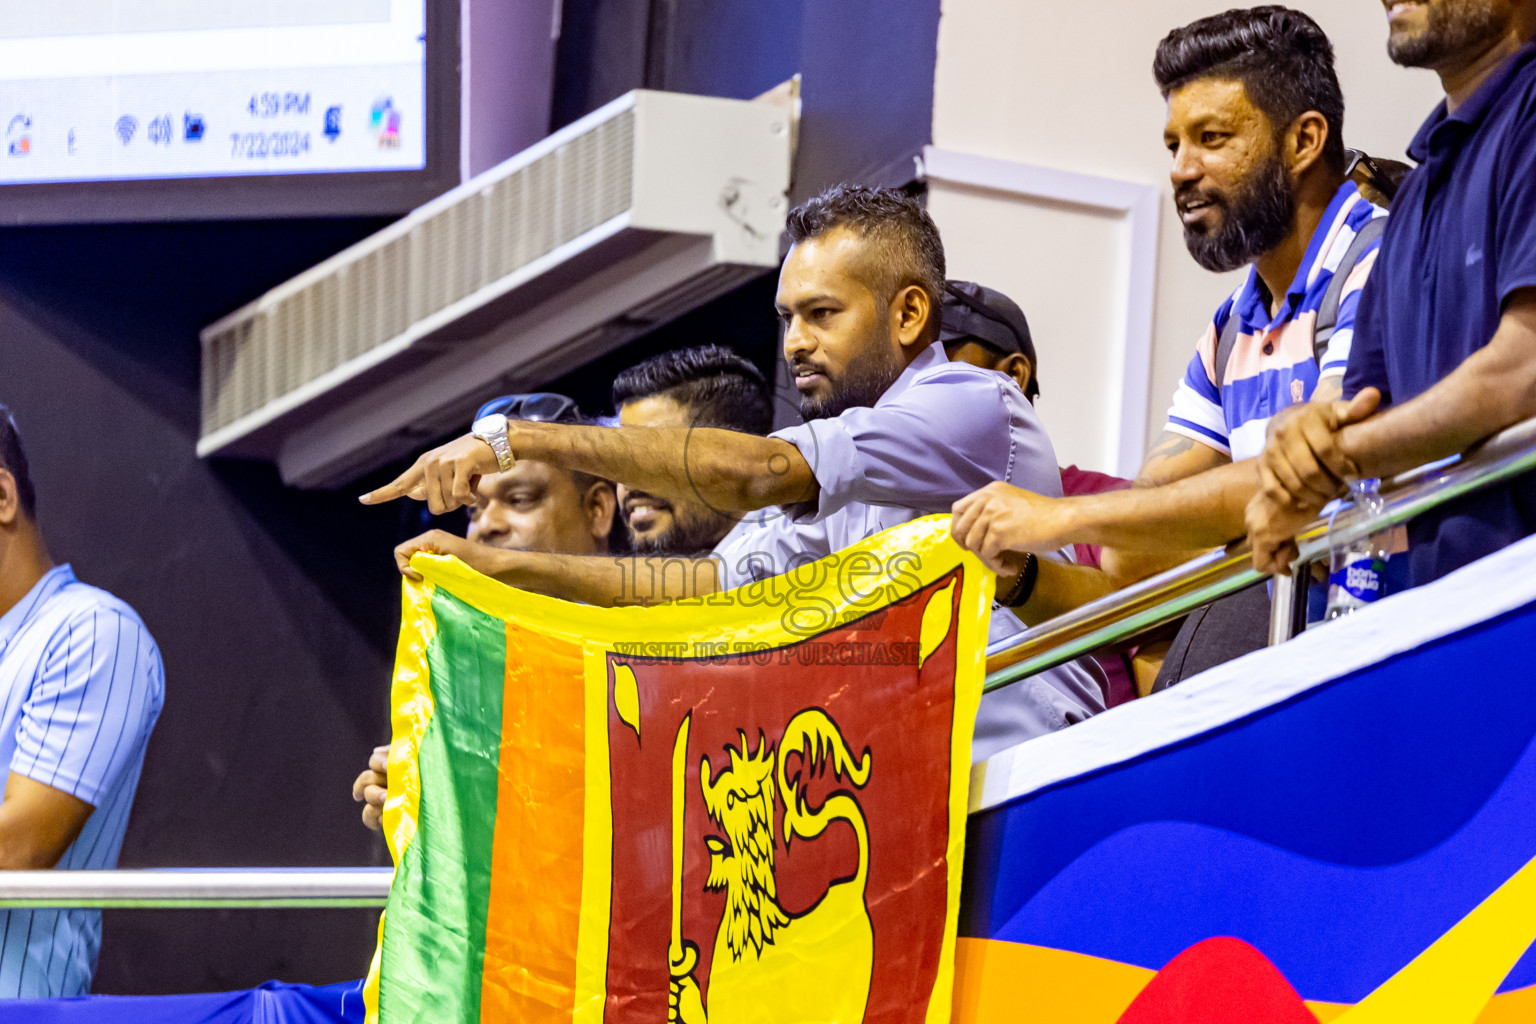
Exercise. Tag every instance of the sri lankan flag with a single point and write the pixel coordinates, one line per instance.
(744, 808)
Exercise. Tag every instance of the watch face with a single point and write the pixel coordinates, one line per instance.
(495, 423)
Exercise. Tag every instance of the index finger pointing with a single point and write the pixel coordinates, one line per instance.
(389, 492)
(406, 485)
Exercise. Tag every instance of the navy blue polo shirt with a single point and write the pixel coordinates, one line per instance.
(1460, 241)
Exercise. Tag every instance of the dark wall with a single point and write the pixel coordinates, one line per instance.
(735, 50)
(868, 90)
(273, 608)
(866, 70)
(276, 609)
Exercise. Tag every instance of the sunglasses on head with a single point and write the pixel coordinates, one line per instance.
(535, 407)
(1378, 178)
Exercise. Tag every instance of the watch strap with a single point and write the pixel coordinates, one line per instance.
(501, 445)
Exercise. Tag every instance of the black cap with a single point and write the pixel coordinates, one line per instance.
(974, 313)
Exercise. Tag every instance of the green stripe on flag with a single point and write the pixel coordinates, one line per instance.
(434, 925)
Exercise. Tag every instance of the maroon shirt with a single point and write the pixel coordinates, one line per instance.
(1074, 481)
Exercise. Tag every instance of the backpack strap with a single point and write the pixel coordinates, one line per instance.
(1224, 346)
(1328, 312)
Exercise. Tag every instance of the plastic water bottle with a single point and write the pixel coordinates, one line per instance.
(1356, 569)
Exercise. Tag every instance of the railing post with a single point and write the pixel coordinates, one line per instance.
(1280, 603)
(1288, 606)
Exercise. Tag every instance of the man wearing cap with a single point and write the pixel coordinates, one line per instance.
(534, 506)
(1254, 129)
(983, 327)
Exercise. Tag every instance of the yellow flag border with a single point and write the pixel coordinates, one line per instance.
(907, 557)
(411, 708)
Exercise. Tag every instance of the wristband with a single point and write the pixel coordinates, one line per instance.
(1024, 586)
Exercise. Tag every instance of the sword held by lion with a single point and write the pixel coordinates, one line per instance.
(770, 966)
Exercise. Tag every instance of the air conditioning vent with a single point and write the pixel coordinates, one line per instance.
(637, 213)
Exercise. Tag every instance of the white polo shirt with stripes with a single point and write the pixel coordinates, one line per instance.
(81, 685)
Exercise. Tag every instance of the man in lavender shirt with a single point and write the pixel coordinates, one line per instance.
(894, 431)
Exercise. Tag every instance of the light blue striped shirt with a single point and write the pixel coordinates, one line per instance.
(81, 684)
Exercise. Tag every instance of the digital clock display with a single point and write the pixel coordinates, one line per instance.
(100, 90)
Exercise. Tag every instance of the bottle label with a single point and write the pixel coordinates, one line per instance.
(1360, 577)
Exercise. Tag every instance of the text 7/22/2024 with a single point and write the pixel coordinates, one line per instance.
(266, 145)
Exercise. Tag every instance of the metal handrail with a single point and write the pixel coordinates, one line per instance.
(1131, 612)
(186, 889)
(1117, 617)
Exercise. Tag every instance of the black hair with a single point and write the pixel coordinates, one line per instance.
(911, 251)
(12, 458)
(721, 388)
(1281, 56)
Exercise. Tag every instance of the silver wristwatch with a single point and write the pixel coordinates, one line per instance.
(492, 430)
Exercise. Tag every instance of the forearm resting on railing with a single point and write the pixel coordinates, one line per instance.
(1199, 512)
(1493, 388)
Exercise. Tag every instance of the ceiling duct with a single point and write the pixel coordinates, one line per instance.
(633, 215)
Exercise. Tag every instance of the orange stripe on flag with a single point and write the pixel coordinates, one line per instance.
(535, 900)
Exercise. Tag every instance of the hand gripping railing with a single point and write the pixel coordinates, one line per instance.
(1128, 613)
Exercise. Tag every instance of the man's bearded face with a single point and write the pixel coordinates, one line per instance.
(1234, 194)
(858, 385)
(657, 526)
(1249, 221)
(1432, 33)
(838, 331)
